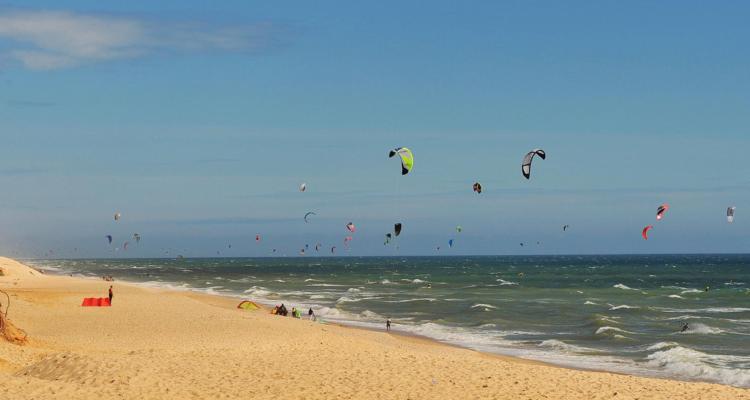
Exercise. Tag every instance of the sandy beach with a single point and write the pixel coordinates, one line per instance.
(160, 344)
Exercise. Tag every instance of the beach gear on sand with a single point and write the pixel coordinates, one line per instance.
(95, 302)
(248, 305)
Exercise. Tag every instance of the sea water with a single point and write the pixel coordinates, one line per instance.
(616, 313)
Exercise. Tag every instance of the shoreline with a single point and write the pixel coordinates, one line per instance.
(330, 349)
(405, 334)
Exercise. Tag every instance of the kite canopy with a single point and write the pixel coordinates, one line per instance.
(661, 210)
(565, 227)
(257, 238)
(333, 250)
(450, 243)
(307, 215)
(125, 246)
(351, 228)
(459, 229)
(303, 187)
(397, 228)
(248, 305)
(407, 158)
(137, 237)
(526, 164)
(117, 216)
(109, 238)
(644, 233)
(388, 238)
(730, 214)
(477, 187)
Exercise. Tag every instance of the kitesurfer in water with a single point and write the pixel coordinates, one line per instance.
(388, 324)
(684, 327)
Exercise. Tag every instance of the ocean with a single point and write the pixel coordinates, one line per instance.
(616, 313)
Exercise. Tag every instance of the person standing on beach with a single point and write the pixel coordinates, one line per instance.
(388, 325)
(110, 295)
(311, 314)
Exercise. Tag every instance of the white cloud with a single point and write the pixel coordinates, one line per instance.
(51, 39)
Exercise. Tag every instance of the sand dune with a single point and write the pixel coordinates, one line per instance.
(158, 344)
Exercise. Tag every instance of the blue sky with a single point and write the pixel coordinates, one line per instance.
(198, 122)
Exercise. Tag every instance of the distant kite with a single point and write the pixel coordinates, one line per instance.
(303, 187)
(477, 187)
(407, 158)
(661, 210)
(109, 238)
(307, 215)
(565, 227)
(351, 228)
(730, 214)
(397, 228)
(257, 238)
(644, 233)
(526, 164)
(450, 243)
(117, 216)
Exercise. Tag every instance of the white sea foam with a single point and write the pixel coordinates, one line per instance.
(505, 283)
(624, 287)
(622, 307)
(325, 285)
(691, 291)
(662, 346)
(258, 291)
(485, 306)
(713, 310)
(559, 345)
(701, 329)
(675, 296)
(689, 363)
(608, 330)
(411, 300)
(591, 303)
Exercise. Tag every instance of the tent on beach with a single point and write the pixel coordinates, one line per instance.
(248, 305)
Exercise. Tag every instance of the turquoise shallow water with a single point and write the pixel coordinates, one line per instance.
(618, 313)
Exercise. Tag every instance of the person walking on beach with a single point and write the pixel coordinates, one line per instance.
(388, 325)
(110, 295)
(311, 314)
